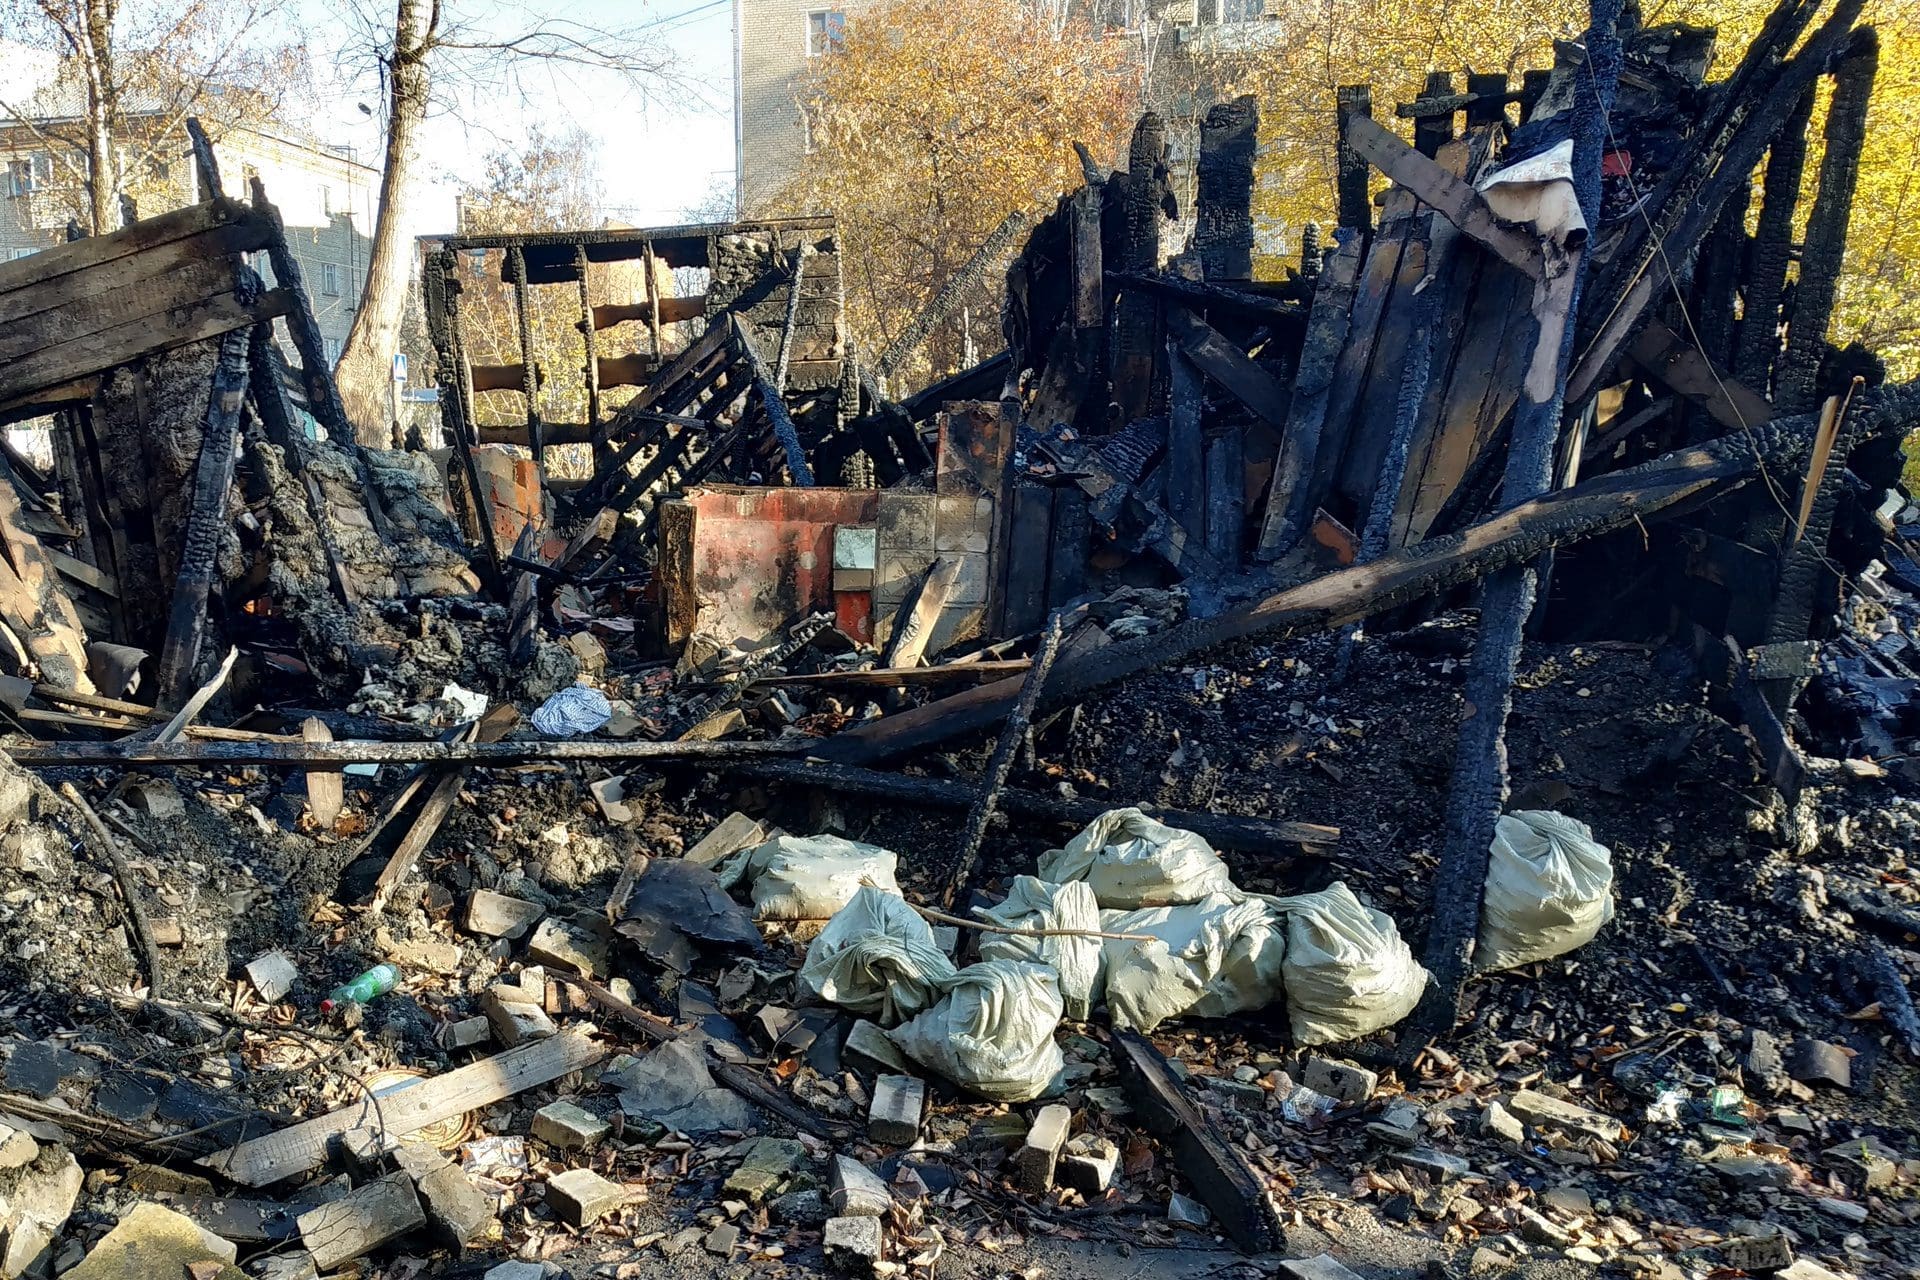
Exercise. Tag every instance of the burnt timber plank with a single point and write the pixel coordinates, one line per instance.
(1029, 530)
(1453, 197)
(95, 251)
(1671, 360)
(206, 521)
(1352, 101)
(1353, 368)
(1287, 510)
(208, 317)
(1226, 498)
(672, 311)
(131, 271)
(1186, 494)
(1219, 1174)
(1067, 555)
(1263, 394)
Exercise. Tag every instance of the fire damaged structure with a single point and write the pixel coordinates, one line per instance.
(1213, 652)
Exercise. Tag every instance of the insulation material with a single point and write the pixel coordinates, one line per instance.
(1131, 861)
(993, 1034)
(1549, 889)
(1036, 904)
(1348, 973)
(878, 958)
(808, 877)
(1211, 958)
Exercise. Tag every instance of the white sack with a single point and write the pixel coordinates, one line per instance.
(878, 958)
(1207, 959)
(993, 1034)
(1348, 973)
(1036, 904)
(1131, 861)
(808, 877)
(1549, 889)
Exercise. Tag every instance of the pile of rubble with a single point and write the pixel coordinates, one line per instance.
(495, 872)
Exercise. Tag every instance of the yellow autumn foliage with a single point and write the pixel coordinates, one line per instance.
(932, 122)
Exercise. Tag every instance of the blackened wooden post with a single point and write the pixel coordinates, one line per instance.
(1533, 84)
(1430, 133)
(323, 398)
(1355, 202)
(591, 345)
(1488, 91)
(529, 371)
(1223, 200)
(1478, 788)
(1772, 251)
(1134, 345)
(456, 395)
(1186, 451)
(1826, 243)
(653, 299)
(206, 520)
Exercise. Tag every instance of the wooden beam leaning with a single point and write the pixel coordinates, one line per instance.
(1454, 198)
(206, 520)
(776, 408)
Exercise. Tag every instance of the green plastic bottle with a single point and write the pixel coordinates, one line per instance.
(376, 981)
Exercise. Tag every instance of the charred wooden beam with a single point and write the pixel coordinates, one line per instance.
(1264, 395)
(206, 523)
(1133, 338)
(316, 375)
(1223, 200)
(796, 275)
(1225, 831)
(947, 297)
(775, 407)
(1772, 250)
(672, 311)
(338, 755)
(1351, 102)
(590, 366)
(1683, 369)
(1205, 294)
(1456, 199)
(441, 285)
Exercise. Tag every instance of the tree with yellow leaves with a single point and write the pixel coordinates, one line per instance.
(930, 123)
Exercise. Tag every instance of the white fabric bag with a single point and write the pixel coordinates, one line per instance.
(1348, 972)
(808, 877)
(993, 1034)
(1131, 861)
(1549, 889)
(1036, 904)
(1219, 956)
(878, 958)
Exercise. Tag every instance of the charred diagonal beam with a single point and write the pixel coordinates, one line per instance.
(1514, 536)
(1772, 250)
(1225, 831)
(776, 408)
(1263, 394)
(1205, 293)
(1456, 199)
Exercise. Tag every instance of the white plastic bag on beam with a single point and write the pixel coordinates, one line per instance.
(1207, 959)
(878, 958)
(993, 1034)
(1037, 904)
(808, 877)
(1131, 861)
(1549, 889)
(1348, 973)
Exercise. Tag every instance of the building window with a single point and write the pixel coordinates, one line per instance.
(330, 279)
(332, 347)
(326, 200)
(826, 31)
(22, 253)
(29, 174)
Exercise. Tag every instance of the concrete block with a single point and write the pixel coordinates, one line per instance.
(1351, 1084)
(581, 1197)
(1034, 1162)
(361, 1222)
(495, 915)
(1498, 1122)
(569, 1128)
(723, 1239)
(468, 1032)
(514, 1017)
(1819, 1062)
(853, 1245)
(1437, 1165)
(17, 1147)
(1087, 1164)
(462, 1214)
(769, 1163)
(571, 947)
(800, 1209)
(736, 832)
(855, 1191)
(898, 1103)
(272, 975)
(1545, 1112)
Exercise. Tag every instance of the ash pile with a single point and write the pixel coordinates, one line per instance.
(1403, 769)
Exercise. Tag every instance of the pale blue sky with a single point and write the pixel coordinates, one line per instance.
(661, 150)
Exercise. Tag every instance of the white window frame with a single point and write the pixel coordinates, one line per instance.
(827, 31)
(330, 279)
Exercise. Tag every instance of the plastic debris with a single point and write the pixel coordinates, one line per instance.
(1348, 972)
(1132, 861)
(1035, 904)
(808, 877)
(572, 711)
(877, 957)
(1208, 959)
(993, 1034)
(1549, 889)
(376, 981)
